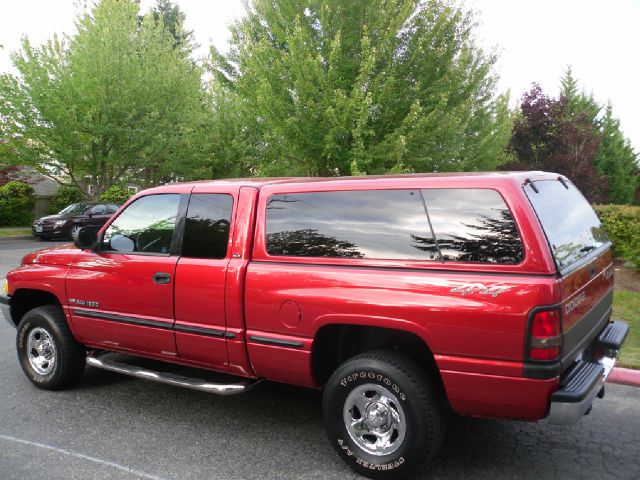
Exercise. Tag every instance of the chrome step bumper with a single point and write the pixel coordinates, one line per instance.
(170, 378)
(585, 381)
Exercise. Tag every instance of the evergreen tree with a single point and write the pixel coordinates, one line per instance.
(616, 159)
(173, 20)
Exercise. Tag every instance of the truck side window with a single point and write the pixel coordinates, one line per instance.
(145, 226)
(473, 225)
(381, 224)
(206, 233)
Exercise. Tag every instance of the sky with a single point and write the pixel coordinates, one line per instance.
(536, 40)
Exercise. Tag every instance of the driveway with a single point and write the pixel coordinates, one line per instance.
(115, 427)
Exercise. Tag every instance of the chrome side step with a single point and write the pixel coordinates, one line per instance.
(170, 378)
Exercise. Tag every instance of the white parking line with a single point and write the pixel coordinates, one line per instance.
(82, 456)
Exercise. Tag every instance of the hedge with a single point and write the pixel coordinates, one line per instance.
(65, 195)
(16, 204)
(622, 223)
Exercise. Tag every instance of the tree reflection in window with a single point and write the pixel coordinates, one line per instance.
(310, 243)
(473, 225)
(490, 240)
(347, 224)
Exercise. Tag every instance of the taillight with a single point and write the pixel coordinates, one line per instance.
(545, 336)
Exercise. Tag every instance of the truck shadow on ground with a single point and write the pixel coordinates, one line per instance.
(289, 419)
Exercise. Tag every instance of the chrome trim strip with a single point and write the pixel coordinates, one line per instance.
(172, 379)
(275, 341)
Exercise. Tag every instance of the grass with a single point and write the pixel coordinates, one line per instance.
(14, 231)
(626, 306)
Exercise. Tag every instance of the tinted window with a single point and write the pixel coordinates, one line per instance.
(98, 210)
(112, 208)
(384, 224)
(570, 224)
(473, 225)
(146, 225)
(206, 232)
(75, 209)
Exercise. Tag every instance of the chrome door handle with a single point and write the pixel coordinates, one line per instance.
(161, 278)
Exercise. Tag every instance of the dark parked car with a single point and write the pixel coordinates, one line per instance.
(66, 223)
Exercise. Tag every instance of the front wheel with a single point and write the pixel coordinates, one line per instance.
(49, 355)
(382, 415)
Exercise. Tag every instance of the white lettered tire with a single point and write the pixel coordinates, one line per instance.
(382, 415)
(49, 354)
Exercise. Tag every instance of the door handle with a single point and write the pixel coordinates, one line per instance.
(161, 278)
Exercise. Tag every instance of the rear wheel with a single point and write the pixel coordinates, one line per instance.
(382, 415)
(49, 355)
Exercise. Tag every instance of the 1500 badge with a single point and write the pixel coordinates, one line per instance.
(84, 303)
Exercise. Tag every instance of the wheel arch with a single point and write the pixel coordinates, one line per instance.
(25, 299)
(335, 343)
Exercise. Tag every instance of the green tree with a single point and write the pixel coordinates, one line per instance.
(115, 194)
(616, 159)
(65, 195)
(114, 100)
(173, 20)
(577, 102)
(329, 87)
(572, 136)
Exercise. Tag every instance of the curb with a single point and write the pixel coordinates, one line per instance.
(625, 376)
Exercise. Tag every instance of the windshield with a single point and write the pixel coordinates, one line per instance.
(570, 224)
(75, 209)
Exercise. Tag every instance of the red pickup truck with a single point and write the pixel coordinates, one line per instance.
(402, 297)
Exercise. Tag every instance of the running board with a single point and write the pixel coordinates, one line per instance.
(171, 378)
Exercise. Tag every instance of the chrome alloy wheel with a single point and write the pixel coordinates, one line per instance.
(41, 351)
(374, 419)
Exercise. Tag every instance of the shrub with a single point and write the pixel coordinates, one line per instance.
(622, 223)
(65, 195)
(16, 204)
(115, 194)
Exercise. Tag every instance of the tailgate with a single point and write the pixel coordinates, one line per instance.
(582, 254)
(587, 298)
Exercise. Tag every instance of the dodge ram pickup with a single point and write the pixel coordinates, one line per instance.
(402, 298)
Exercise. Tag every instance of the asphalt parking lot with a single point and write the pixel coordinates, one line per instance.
(115, 427)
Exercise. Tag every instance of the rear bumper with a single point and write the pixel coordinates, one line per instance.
(5, 309)
(585, 381)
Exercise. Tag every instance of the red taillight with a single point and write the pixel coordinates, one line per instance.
(545, 337)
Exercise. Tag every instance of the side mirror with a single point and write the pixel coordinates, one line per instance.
(86, 237)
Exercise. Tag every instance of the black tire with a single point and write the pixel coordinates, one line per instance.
(48, 326)
(407, 384)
